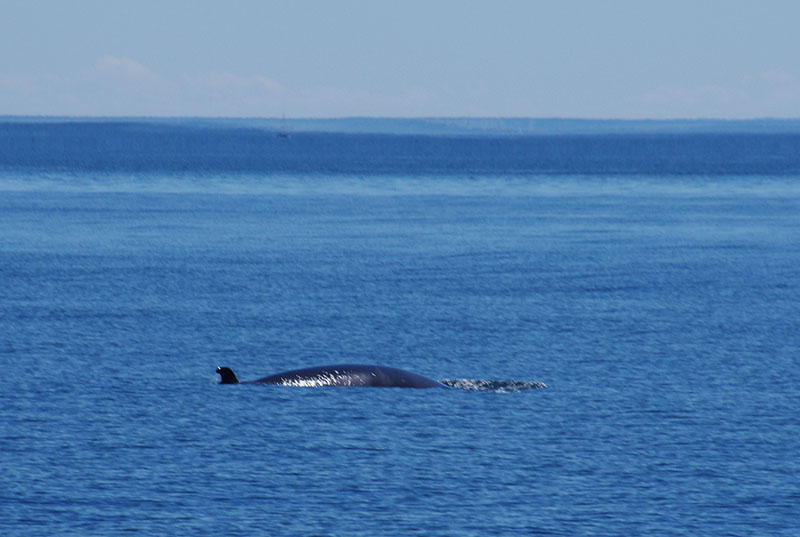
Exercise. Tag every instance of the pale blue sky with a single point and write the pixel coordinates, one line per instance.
(259, 58)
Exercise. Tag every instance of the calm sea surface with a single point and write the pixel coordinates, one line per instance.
(652, 282)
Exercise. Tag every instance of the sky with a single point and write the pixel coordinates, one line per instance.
(676, 59)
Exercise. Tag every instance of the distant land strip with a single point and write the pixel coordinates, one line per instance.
(455, 126)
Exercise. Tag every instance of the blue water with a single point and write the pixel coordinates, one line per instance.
(652, 282)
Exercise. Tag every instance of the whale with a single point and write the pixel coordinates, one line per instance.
(339, 375)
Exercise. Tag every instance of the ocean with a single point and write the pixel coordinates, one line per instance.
(616, 316)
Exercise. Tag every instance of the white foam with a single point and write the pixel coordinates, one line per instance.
(497, 386)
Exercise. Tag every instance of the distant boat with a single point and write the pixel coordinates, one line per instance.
(283, 132)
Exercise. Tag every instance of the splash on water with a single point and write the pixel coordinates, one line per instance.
(329, 379)
(497, 386)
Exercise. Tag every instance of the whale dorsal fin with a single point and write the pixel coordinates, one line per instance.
(228, 376)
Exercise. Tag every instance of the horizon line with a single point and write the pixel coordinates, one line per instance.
(416, 118)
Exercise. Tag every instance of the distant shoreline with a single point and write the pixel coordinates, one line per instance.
(465, 126)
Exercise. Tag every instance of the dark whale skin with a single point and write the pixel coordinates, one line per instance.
(341, 375)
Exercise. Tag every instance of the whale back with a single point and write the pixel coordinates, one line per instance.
(350, 375)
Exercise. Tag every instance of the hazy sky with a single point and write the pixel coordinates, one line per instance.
(566, 58)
